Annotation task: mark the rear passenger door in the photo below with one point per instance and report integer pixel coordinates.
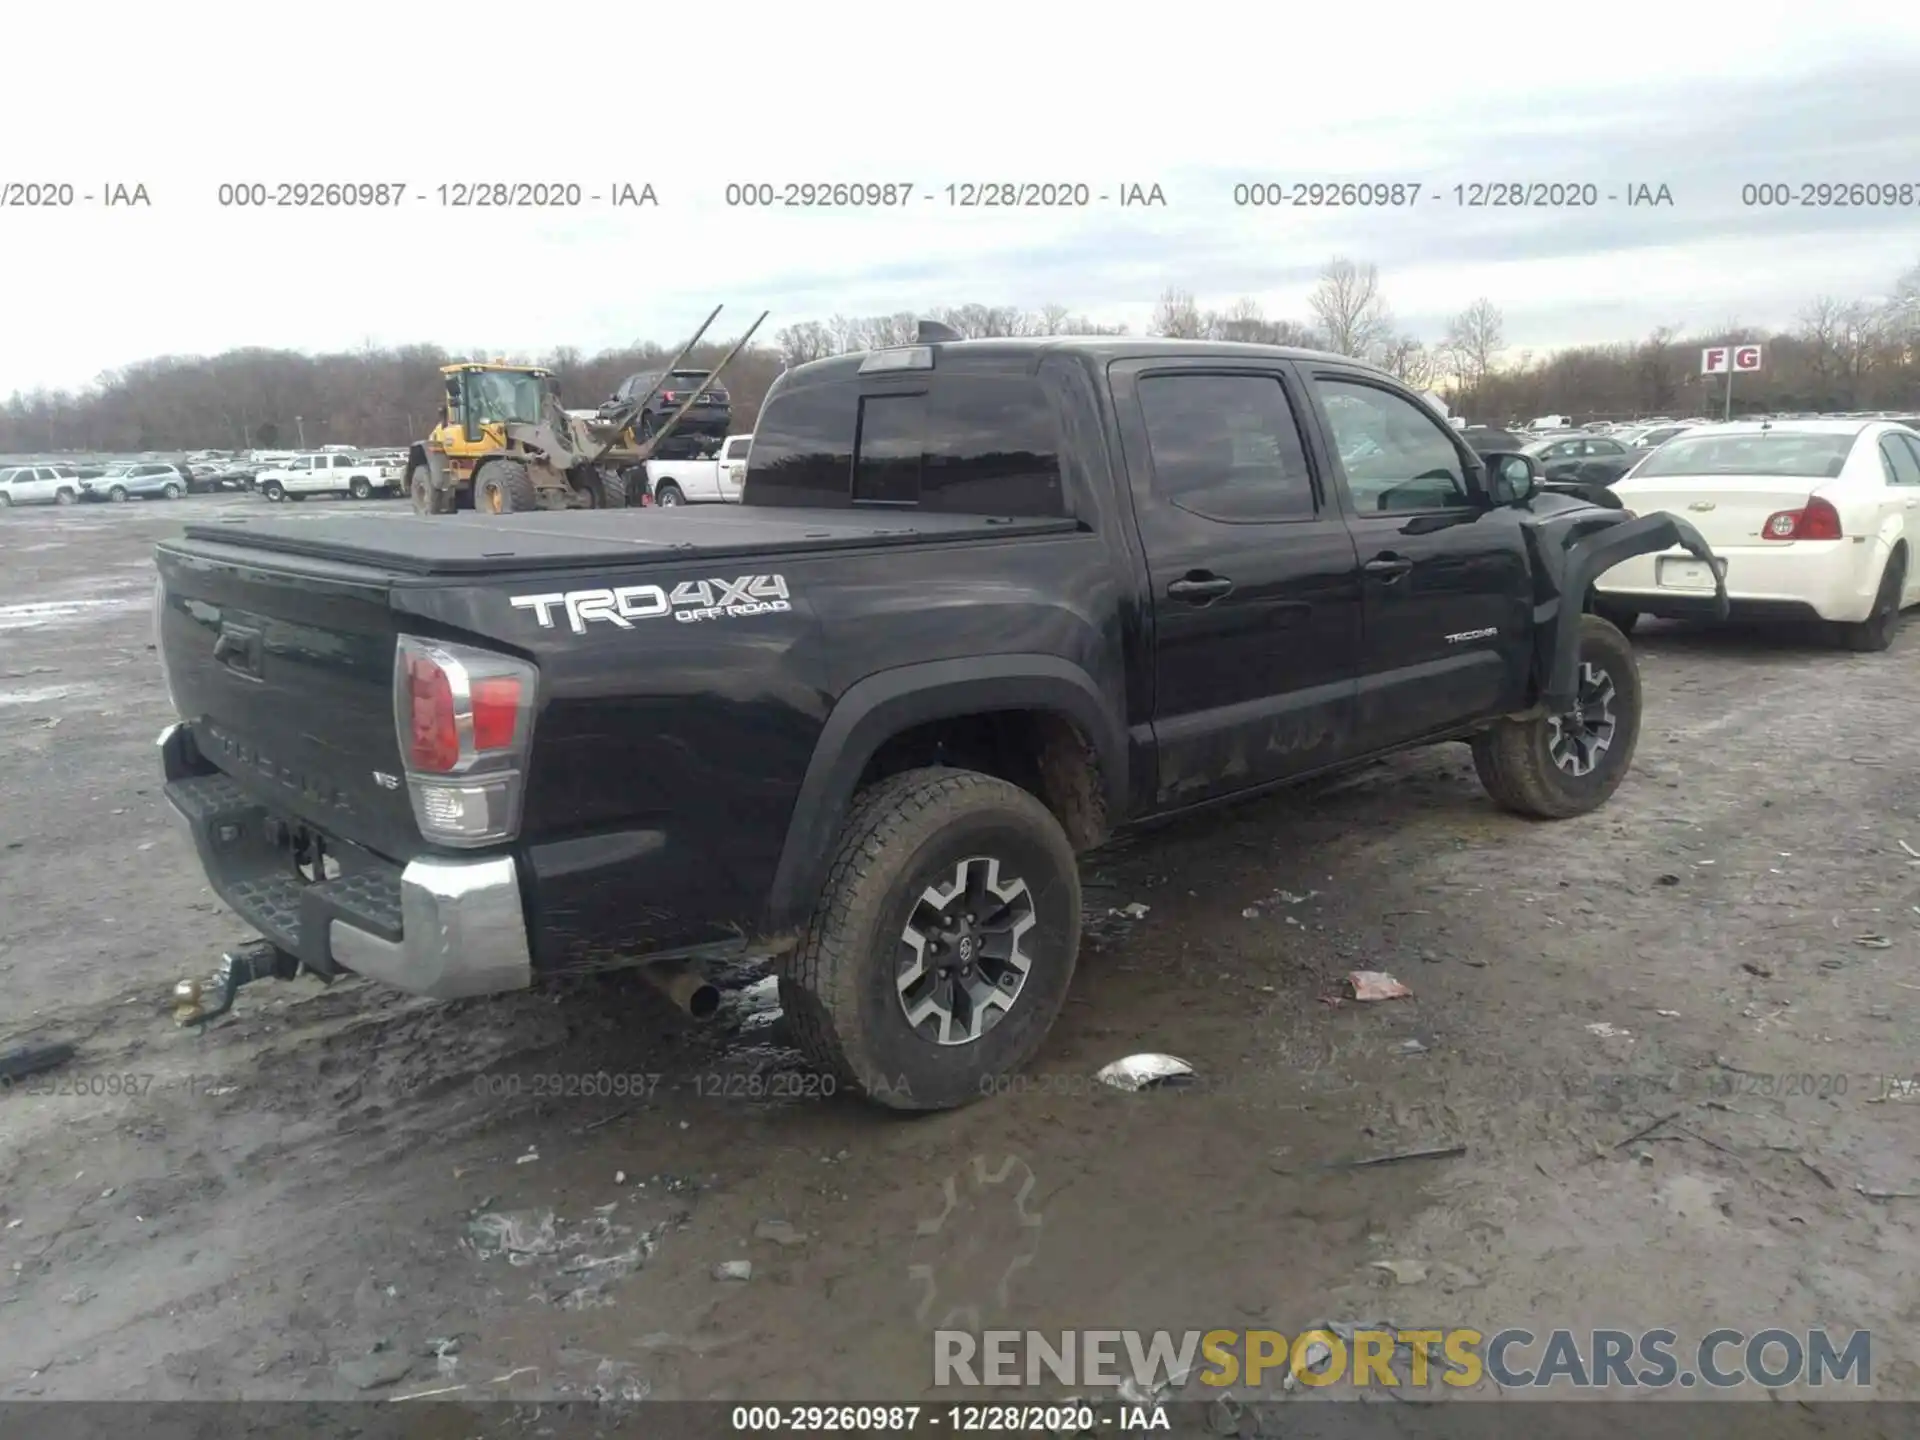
(1254, 583)
(1447, 585)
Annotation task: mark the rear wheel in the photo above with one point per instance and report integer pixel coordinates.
(360, 488)
(503, 487)
(172, 492)
(1553, 767)
(943, 941)
(1876, 632)
(669, 494)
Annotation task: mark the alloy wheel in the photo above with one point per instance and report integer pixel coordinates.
(1579, 738)
(963, 961)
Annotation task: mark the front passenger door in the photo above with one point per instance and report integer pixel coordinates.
(1447, 590)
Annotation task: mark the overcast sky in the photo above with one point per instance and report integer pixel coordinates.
(182, 98)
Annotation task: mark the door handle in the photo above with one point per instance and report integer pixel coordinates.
(1389, 567)
(1200, 588)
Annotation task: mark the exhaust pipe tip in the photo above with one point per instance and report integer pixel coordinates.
(703, 1003)
(696, 995)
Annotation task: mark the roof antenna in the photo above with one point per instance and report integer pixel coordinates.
(932, 332)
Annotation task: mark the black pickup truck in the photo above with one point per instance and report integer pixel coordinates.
(985, 604)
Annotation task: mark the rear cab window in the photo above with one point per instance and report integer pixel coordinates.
(960, 442)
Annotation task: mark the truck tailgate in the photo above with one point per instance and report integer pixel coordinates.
(284, 670)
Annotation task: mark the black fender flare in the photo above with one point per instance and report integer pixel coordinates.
(874, 710)
(1590, 557)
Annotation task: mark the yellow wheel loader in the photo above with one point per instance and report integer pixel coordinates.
(506, 444)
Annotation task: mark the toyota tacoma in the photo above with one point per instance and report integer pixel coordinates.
(985, 604)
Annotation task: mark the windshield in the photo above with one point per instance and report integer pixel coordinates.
(498, 396)
(1784, 453)
(681, 381)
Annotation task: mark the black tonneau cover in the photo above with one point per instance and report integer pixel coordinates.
(568, 539)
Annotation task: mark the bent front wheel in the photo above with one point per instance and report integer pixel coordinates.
(1552, 767)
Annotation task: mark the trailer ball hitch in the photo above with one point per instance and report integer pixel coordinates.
(256, 960)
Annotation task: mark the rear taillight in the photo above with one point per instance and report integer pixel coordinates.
(1816, 520)
(667, 397)
(465, 720)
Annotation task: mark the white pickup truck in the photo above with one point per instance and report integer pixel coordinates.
(702, 482)
(327, 474)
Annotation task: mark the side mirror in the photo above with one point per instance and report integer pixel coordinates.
(1512, 478)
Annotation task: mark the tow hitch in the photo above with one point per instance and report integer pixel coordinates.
(256, 960)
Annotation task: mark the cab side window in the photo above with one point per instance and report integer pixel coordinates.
(1395, 454)
(1227, 447)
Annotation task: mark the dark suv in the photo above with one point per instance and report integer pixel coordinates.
(702, 428)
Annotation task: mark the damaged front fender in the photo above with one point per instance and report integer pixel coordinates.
(1589, 554)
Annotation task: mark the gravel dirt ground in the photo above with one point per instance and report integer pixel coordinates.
(346, 1192)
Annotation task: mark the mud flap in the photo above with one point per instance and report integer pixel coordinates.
(1590, 558)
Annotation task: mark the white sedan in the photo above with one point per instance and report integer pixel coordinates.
(1814, 519)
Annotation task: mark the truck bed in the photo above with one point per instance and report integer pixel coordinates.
(465, 545)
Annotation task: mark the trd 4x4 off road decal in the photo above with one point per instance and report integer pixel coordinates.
(688, 601)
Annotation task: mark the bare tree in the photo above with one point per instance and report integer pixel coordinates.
(1409, 361)
(1053, 320)
(1474, 340)
(1350, 309)
(1178, 317)
(1819, 334)
(808, 340)
(1661, 370)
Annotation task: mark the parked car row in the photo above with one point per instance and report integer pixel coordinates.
(71, 484)
(291, 477)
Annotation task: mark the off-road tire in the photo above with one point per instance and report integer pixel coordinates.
(1876, 632)
(668, 495)
(274, 492)
(838, 987)
(360, 488)
(1515, 759)
(1617, 616)
(503, 487)
(614, 491)
(425, 499)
